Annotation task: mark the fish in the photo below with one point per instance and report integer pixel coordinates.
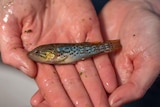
(70, 53)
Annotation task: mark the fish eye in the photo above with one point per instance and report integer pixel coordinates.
(36, 51)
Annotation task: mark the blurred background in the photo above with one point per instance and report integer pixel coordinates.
(16, 89)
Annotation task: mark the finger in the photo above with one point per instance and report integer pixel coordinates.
(103, 64)
(12, 49)
(73, 85)
(143, 76)
(51, 87)
(92, 82)
(36, 99)
(90, 77)
(106, 73)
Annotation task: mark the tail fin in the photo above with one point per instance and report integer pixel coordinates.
(114, 44)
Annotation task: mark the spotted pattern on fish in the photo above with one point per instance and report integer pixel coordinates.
(67, 53)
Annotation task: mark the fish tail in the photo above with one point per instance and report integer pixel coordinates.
(114, 45)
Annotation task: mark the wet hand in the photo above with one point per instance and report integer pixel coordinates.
(136, 24)
(27, 24)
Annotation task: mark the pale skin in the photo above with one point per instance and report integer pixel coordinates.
(137, 24)
(26, 24)
(136, 65)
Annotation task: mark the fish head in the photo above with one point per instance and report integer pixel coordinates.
(43, 54)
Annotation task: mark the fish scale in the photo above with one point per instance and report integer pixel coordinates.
(80, 50)
(67, 53)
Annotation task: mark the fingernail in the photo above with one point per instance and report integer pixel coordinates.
(116, 103)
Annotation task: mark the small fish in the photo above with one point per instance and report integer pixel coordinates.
(69, 53)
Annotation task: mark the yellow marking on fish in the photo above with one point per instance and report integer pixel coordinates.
(49, 55)
(67, 53)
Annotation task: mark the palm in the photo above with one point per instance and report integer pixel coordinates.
(138, 30)
(33, 23)
(59, 24)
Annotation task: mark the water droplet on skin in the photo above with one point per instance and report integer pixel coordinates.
(3, 27)
(50, 91)
(7, 15)
(78, 37)
(10, 11)
(48, 83)
(6, 11)
(107, 84)
(5, 19)
(44, 80)
(76, 103)
(82, 69)
(8, 4)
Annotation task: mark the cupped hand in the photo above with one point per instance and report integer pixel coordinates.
(137, 24)
(29, 23)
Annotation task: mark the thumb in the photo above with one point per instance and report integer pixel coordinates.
(17, 57)
(11, 48)
(142, 78)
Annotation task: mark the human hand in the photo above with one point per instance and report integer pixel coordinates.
(136, 23)
(11, 44)
(27, 24)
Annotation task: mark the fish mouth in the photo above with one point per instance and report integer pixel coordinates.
(34, 57)
(31, 55)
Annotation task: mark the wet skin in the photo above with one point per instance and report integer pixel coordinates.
(136, 24)
(26, 24)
